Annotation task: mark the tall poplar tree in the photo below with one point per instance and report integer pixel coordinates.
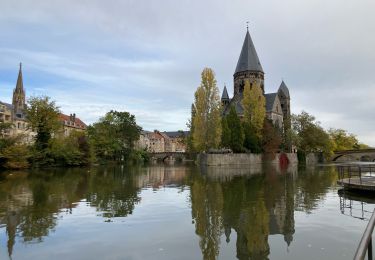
(254, 105)
(207, 118)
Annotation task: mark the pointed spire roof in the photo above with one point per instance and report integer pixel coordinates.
(283, 88)
(248, 59)
(225, 95)
(19, 86)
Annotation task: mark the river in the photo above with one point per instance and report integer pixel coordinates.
(179, 212)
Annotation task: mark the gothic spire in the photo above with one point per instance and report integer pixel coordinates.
(19, 97)
(19, 86)
(248, 59)
(225, 95)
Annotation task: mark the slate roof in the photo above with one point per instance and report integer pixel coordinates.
(283, 88)
(248, 59)
(9, 106)
(270, 100)
(175, 134)
(225, 95)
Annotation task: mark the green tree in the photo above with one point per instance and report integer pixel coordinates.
(72, 150)
(311, 136)
(343, 140)
(113, 137)
(225, 133)
(251, 142)
(236, 132)
(190, 125)
(42, 115)
(207, 118)
(254, 105)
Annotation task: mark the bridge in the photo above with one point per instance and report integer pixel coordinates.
(363, 155)
(169, 156)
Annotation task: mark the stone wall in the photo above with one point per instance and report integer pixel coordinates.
(240, 159)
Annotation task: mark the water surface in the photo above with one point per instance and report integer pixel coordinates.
(179, 212)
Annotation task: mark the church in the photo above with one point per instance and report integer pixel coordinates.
(250, 69)
(14, 114)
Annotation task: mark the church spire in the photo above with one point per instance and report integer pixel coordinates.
(225, 95)
(248, 60)
(19, 97)
(19, 86)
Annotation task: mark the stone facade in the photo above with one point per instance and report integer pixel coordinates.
(250, 69)
(71, 123)
(160, 142)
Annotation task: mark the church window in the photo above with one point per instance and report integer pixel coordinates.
(19, 125)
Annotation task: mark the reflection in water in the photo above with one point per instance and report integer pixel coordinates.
(356, 205)
(254, 206)
(244, 206)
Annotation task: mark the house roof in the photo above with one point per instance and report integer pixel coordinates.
(175, 134)
(9, 106)
(248, 59)
(284, 89)
(78, 122)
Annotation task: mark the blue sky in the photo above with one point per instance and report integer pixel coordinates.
(145, 57)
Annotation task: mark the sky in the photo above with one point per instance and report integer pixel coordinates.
(146, 57)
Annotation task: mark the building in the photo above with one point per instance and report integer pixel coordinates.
(160, 142)
(71, 123)
(15, 114)
(250, 69)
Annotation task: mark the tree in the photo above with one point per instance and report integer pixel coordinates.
(225, 133)
(207, 118)
(251, 141)
(236, 132)
(42, 115)
(271, 139)
(114, 135)
(254, 105)
(343, 140)
(311, 136)
(190, 125)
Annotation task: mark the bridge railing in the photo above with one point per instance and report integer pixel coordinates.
(366, 242)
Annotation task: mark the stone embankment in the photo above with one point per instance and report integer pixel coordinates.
(239, 159)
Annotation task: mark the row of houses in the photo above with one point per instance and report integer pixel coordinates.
(160, 142)
(14, 114)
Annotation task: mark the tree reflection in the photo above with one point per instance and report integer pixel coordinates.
(253, 205)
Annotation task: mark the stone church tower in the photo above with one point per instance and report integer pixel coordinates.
(19, 97)
(248, 67)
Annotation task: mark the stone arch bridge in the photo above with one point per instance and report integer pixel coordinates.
(363, 155)
(169, 156)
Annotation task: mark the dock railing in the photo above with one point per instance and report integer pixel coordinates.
(355, 170)
(366, 242)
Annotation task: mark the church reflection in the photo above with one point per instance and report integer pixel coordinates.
(254, 205)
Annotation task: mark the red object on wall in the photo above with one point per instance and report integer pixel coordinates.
(283, 161)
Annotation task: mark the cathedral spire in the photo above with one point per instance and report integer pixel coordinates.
(19, 97)
(19, 86)
(248, 60)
